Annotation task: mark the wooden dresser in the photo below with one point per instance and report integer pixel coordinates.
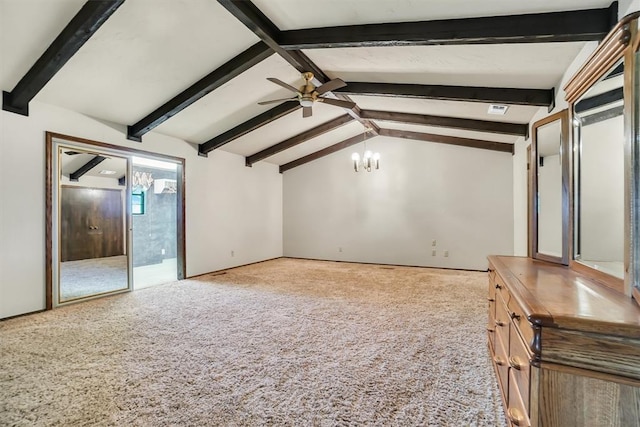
(566, 350)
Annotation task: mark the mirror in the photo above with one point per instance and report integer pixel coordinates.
(550, 189)
(91, 198)
(599, 180)
(115, 219)
(634, 199)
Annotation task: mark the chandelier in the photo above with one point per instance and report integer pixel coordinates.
(369, 160)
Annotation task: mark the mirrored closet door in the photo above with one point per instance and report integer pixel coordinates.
(115, 219)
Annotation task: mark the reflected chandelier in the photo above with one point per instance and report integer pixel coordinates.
(369, 160)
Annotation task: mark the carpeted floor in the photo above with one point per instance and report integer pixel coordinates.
(284, 342)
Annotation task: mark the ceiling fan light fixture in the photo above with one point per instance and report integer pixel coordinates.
(306, 102)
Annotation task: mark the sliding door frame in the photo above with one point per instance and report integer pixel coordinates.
(51, 181)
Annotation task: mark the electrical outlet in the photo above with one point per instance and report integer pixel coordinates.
(446, 254)
(233, 253)
(433, 252)
(162, 252)
(433, 242)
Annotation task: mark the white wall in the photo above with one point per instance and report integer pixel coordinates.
(626, 7)
(459, 196)
(228, 206)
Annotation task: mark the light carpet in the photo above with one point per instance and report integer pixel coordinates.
(284, 342)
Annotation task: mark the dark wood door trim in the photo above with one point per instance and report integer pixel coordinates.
(50, 182)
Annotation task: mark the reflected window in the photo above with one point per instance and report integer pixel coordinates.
(137, 203)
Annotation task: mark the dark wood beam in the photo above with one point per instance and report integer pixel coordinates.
(328, 150)
(247, 13)
(95, 161)
(451, 140)
(576, 25)
(298, 139)
(81, 27)
(599, 100)
(231, 69)
(601, 116)
(513, 96)
(250, 125)
(256, 21)
(517, 129)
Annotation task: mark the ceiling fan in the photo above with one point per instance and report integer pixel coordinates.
(309, 93)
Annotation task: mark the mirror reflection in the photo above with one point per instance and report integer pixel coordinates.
(549, 188)
(599, 175)
(93, 223)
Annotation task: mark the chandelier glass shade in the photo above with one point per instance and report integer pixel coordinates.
(368, 161)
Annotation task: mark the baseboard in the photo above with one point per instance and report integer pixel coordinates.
(22, 314)
(389, 265)
(231, 268)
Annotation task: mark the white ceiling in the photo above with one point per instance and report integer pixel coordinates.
(151, 50)
(528, 65)
(294, 14)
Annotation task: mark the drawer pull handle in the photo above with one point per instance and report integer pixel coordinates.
(515, 316)
(490, 330)
(500, 323)
(498, 361)
(515, 363)
(515, 417)
(498, 286)
(490, 299)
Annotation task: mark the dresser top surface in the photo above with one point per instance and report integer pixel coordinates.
(554, 295)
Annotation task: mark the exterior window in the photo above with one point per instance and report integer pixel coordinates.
(137, 203)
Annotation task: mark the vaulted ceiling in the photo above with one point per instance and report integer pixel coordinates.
(196, 69)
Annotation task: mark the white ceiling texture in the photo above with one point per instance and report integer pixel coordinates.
(150, 51)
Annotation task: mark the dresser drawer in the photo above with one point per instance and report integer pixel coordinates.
(516, 412)
(501, 288)
(520, 369)
(517, 316)
(491, 321)
(502, 321)
(500, 360)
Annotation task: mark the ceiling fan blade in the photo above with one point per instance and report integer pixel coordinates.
(273, 101)
(338, 102)
(330, 85)
(307, 112)
(283, 84)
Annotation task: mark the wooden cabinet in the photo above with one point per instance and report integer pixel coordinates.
(566, 350)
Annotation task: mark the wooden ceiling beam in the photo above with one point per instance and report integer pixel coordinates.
(566, 26)
(402, 134)
(229, 70)
(517, 129)
(512, 96)
(250, 125)
(451, 140)
(95, 161)
(328, 150)
(81, 27)
(298, 139)
(256, 21)
(605, 98)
